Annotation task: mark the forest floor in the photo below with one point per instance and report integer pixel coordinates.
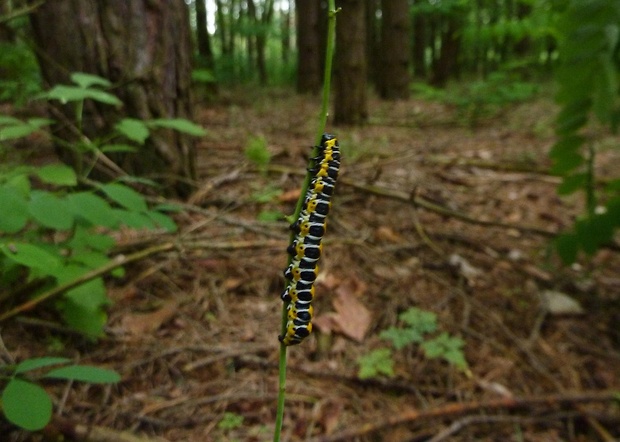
(194, 332)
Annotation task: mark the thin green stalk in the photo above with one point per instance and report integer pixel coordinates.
(331, 34)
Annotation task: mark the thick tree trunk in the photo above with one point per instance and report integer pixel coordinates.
(395, 37)
(143, 47)
(308, 46)
(351, 70)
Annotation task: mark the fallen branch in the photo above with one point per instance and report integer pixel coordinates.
(458, 409)
(114, 263)
(421, 202)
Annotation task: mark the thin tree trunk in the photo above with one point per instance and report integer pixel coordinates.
(202, 34)
(143, 47)
(308, 46)
(395, 37)
(351, 70)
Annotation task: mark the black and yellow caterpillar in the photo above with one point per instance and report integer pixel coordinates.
(306, 247)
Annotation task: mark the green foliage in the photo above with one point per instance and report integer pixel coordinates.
(378, 362)
(26, 404)
(588, 79)
(256, 151)
(419, 325)
(31, 253)
(230, 421)
(481, 98)
(20, 78)
(59, 232)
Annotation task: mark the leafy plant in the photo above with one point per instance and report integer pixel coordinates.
(588, 78)
(61, 233)
(256, 151)
(26, 404)
(57, 238)
(419, 325)
(20, 78)
(230, 421)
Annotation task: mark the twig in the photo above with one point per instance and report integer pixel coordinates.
(117, 261)
(457, 409)
(458, 425)
(421, 202)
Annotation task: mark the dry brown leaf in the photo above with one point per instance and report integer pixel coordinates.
(352, 317)
(289, 196)
(143, 323)
(232, 283)
(385, 233)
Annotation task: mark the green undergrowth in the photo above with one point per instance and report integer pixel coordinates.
(27, 404)
(58, 225)
(419, 329)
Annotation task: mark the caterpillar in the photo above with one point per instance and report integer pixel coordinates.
(306, 247)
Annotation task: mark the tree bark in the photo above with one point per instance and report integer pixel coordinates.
(308, 46)
(143, 47)
(447, 62)
(419, 45)
(351, 105)
(202, 34)
(395, 37)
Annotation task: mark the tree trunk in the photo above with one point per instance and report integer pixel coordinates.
(395, 37)
(446, 63)
(285, 29)
(373, 57)
(143, 47)
(419, 45)
(351, 70)
(308, 46)
(202, 34)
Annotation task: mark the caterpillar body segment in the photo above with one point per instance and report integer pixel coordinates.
(306, 248)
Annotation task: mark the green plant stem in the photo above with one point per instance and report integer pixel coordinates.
(329, 52)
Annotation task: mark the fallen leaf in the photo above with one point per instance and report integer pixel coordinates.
(352, 317)
(558, 303)
(232, 283)
(385, 233)
(289, 196)
(143, 323)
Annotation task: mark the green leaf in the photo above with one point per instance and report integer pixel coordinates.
(85, 373)
(34, 363)
(84, 238)
(58, 174)
(567, 162)
(401, 337)
(103, 97)
(87, 80)
(135, 220)
(375, 363)
(125, 196)
(162, 221)
(113, 148)
(266, 194)
(22, 129)
(230, 421)
(30, 256)
(65, 94)
(50, 211)
(270, 216)
(92, 208)
(133, 129)
(449, 348)
(418, 319)
(26, 405)
(256, 151)
(14, 210)
(82, 308)
(179, 124)
(567, 246)
(573, 183)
